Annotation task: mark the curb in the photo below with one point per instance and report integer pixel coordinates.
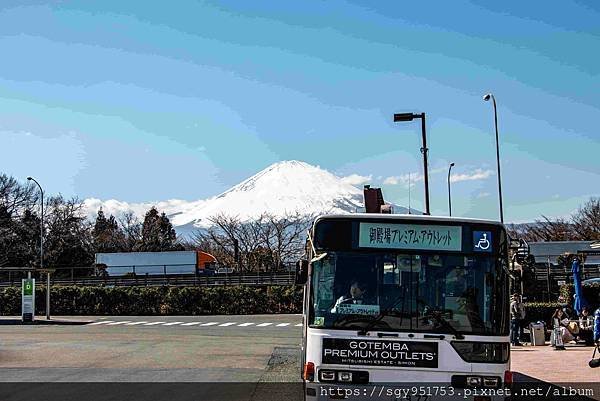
(40, 322)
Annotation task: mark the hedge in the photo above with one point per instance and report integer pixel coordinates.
(541, 311)
(166, 300)
(591, 293)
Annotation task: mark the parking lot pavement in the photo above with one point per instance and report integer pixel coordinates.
(546, 364)
(205, 348)
(172, 350)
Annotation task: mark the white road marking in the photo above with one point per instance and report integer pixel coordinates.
(227, 324)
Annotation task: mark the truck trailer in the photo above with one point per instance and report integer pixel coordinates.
(156, 263)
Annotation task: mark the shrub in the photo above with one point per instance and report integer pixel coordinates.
(166, 300)
(540, 311)
(591, 293)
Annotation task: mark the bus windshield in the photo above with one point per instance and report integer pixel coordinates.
(416, 292)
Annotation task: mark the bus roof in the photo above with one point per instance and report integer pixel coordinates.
(359, 216)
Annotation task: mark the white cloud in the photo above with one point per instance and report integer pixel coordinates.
(119, 208)
(355, 179)
(483, 195)
(403, 179)
(476, 175)
(391, 181)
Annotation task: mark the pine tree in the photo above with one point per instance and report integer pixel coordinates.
(107, 236)
(158, 233)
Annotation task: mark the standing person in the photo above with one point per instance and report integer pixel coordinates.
(597, 325)
(523, 313)
(516, 314)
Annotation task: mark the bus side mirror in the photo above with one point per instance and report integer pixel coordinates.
(301, 271)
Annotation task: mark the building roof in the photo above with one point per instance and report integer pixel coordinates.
(549, 251)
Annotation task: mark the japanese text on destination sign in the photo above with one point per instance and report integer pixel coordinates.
(410, 236)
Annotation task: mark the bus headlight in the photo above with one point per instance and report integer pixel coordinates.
(345, 376)
(491, 382)
(463, 381)
(327, 375)
(474, 381)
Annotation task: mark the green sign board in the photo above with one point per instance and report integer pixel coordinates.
(410, 236)
(28, 287)
(28, 299)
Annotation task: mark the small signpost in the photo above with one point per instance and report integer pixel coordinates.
(28, 299)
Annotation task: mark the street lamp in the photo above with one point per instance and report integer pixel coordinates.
(42, 249)
(486, 98)
(409, 117)
(449, 197)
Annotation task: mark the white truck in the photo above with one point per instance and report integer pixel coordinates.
(156, 263)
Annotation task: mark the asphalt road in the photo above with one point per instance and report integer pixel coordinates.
(176, 358)
(209, 349)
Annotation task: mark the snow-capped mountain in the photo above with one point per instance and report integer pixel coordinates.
(283, 188)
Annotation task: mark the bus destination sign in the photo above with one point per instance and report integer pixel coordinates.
(410, 236)
(417, 354)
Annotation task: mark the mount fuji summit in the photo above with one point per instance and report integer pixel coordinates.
(284, 188)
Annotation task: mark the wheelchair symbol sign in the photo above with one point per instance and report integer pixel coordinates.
(482, 241)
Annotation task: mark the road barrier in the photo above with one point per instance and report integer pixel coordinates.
(183, 280)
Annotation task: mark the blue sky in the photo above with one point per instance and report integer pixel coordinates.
(144, 101)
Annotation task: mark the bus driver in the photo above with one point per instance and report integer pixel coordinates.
(356, 296)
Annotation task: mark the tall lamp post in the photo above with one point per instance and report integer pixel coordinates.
(449, 196)
(42, 249)
(409, 117)
(486, 98)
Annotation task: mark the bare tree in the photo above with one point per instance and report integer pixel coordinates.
(586, 221)
(16, 197)
(219, 238)
(583, 225)
(132, 228)
(285, 236)
(552, 230)
(265, 243)
(68, 239)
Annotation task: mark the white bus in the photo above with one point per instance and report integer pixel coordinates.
(418, 301)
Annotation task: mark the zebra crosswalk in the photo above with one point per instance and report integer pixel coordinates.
(195, 324)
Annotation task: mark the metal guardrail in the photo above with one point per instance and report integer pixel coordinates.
(174, 280)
